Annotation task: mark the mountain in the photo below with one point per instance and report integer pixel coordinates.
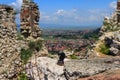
(45, 26)
(65, 27)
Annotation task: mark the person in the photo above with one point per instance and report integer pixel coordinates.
(62, 56)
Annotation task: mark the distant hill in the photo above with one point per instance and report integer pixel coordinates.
(62, 27)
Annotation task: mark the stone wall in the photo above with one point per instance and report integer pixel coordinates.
(110, 32)
(7, 17)
(7, 37)
(30, 20)
(26, 1)
(9, 45)
(118, 4)
(112, 23)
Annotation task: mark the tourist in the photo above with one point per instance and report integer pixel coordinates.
(62, 56)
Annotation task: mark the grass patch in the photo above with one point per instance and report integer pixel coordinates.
(38, 45)
(110, 27)
(31, 44)
(103, 48)
(23, 76)
(25, 55)
(73, 57)
(35, 45)
(19, 36)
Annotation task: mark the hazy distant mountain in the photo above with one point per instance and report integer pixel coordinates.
(62, 27)
(65, 27)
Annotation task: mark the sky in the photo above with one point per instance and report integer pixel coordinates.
(70, 12)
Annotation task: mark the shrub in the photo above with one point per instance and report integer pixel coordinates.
(25, 55)
(104, 49)
(23, 77)
(35, 45)
(19, 36)
(31, 44)
(38, 45)
(109, 27)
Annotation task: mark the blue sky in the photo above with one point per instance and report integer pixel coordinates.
(71, 12)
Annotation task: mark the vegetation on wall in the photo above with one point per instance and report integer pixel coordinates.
(110, 27)
(35, 45)
(19, 36)
(27, 53)
(103, 48)
(107, 26)
(23, 76)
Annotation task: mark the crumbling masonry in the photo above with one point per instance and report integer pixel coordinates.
(10, 46)
(118, 11)
(29, 18)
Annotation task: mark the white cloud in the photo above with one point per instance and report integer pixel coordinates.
(17, 4)
(75, 16)
(78, 16)
(113, 5)
(60, 12)
(46, 17)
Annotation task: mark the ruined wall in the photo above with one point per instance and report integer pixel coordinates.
(112, 23)
(30, 19)
(7, 17)
(7, 36)
(118, 11)
(9, 45)
(118, 4)
(27, 1)
(110, 35)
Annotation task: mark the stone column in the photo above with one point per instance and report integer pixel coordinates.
(30, 20)
(118, 11)
(27, 1)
